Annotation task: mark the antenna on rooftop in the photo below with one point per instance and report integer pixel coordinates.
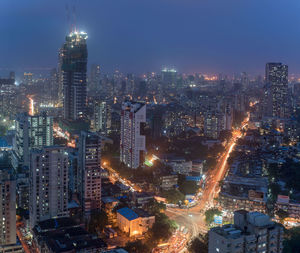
(74, 17)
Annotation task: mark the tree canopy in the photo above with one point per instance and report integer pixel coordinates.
(210, 215)
(291, 243)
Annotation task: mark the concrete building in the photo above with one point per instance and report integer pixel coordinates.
(135, 223)
(48, 196)
(90, 169)
(102, 117)
(64, 235)
(133, 140)
(95, 75)
(244, 193)
(7, 208)
(213, 124)
(251, 232)
(73, 63)
(168, 182)
(169, 77)
(291, 207)
(276, 90)
(31, 132)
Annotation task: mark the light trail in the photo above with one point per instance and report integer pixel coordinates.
(31, 105)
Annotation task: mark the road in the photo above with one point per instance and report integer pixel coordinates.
(193, 218)
(114, 176)
(26, 247)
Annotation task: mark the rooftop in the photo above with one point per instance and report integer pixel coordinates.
(128, 213)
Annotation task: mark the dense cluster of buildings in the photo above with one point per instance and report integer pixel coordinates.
(61, 124)
(251, 232)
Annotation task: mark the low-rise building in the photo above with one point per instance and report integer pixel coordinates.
(168, 182)
(291, 207)
(134, 223)
(63, 235)
(246, 193)
(251, 232)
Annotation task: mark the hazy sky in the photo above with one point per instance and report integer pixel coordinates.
(210, 36)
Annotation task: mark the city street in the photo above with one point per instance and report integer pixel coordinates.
(193, 218)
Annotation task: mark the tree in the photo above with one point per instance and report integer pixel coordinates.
(97, 222)
(162, 228)
(137, 247)
(154, 207)
(291, 243)
(199, 244)
(3, 130)
(275, 190)
(173, 196)
(188, 187)
(225, 135)
(210, 215)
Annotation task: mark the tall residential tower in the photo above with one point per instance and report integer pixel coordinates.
(48, 196)
(133, 140)
(73, 63)
(276, 92)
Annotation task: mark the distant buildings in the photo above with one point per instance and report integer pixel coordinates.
(48, 184)
(31, 132)
(28, 78)
(102, 117)
(133, 139)
(94, 81)
(8, 81)
(276, 90)
(90, 168)
(251, 232)
(73, 63)
(135, 223)
(169, 77)
(213, 124)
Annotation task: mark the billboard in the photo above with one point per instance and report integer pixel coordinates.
(218, 220)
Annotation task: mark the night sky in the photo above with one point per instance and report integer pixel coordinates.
(207, 36)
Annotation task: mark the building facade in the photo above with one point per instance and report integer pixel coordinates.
(31, 132)
(102, 117)
(133, 140)
(276, 90)
(73, 58)
(7, 208)
(251, 232)
(90, 168)
(48, 196)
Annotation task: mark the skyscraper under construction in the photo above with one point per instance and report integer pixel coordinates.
(73, 63)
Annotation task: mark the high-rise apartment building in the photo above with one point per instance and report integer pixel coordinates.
(251, 232)
(169, 77)
(276, 90)
(94, 81)
(7, 208)
(90, 168)
(73, 63)
(48, 196)
(102, 117)
(213, 124)
(133, 140)
(31, 132)
(28, 78)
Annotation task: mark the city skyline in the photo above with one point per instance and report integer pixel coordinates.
(140, 37)
(129, 126)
